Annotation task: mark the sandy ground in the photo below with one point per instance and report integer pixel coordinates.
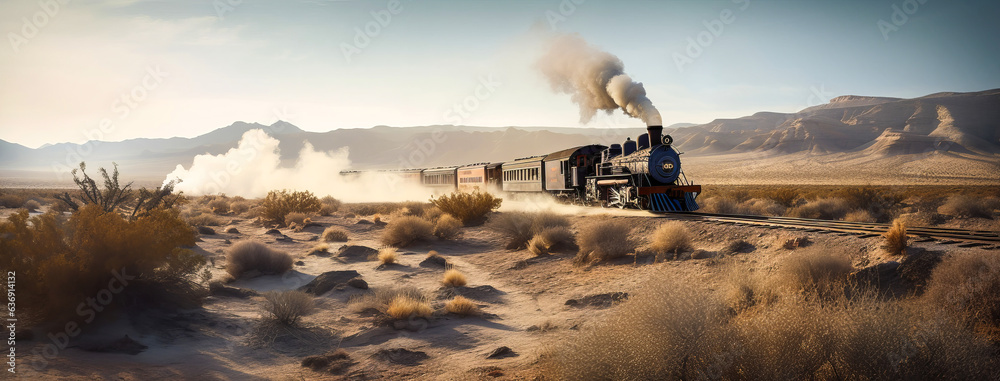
(214, 342)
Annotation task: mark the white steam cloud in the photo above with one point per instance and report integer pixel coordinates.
(595, 79)
(253, 168)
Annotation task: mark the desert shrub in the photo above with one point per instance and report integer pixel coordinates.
(895, 238)
(824, 209)
(447, 227)
(603, 241)
(60, 261)
(296, 218)
(784, 196)
(246, 256)
(720, 205)
(286, 307)
(116, 197)
(388, 255)
(402, 231)
(454, 278)
(468, 207)
(219, 206)
(859, 215)
(668, 329)
(461, 306)
(761, 207)
(520, 227)
(279, 204)
(675, 329)
(405, 307)
(330, 204)
(967, 207)
(320, 249)
(11, 200)
(334, 234)
(551, 239)
(205, 220)
(379, 299)
(239, 207)
(968, 285)
(32, 205)
(879, 203)
(671, 238)
(386, 208)
(814, 273)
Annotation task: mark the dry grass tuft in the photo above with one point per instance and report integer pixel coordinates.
(447, 227)
(671, 238)
(404, 307)
(859, 215)
(246, 256)
(462, 306)
(239, 207)
(320, 248)
(403, 231)
(296, 218)
(388, 256)
(335, 234)
(520, 227)
(286, 307)
(824, 209)
(968, 285)
(219, 206)
(895, 238)
(468, 207)
(603, 241)
(814, 273)
(454, 278)
(969, 207)
(380, 299)
(551, 239)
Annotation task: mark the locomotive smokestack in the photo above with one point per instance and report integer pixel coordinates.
(655, 135)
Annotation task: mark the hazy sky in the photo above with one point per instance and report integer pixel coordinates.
(160, 68)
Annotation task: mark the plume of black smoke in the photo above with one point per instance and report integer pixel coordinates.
(595, 79)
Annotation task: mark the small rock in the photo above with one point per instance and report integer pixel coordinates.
(205, 230)
(356, 253)
(363, 222)
(358, 283)
(284, 238)
(400, 356)
(501, 353)
(233, 230)
(328, 281)
(300, 263)
(228, 242)
(313, 238)
(434, 261)
(273, 232)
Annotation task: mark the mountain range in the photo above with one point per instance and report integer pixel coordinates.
(953, 127)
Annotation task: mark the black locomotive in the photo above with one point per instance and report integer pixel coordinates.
(642, 174)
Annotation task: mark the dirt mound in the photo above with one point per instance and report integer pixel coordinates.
(400, 356)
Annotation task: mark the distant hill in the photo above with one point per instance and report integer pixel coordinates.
(964, 125)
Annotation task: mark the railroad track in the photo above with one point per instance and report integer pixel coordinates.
(962, 237)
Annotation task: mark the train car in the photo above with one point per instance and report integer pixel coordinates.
(566, 171)
(523, 175)
(480, 177)
(389, 176)
(649, 178)
(441, 179)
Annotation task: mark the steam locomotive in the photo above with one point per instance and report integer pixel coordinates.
(641, 174)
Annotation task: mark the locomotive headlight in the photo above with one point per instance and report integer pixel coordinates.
(668, 166)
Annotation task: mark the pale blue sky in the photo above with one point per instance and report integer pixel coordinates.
(265, 60)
